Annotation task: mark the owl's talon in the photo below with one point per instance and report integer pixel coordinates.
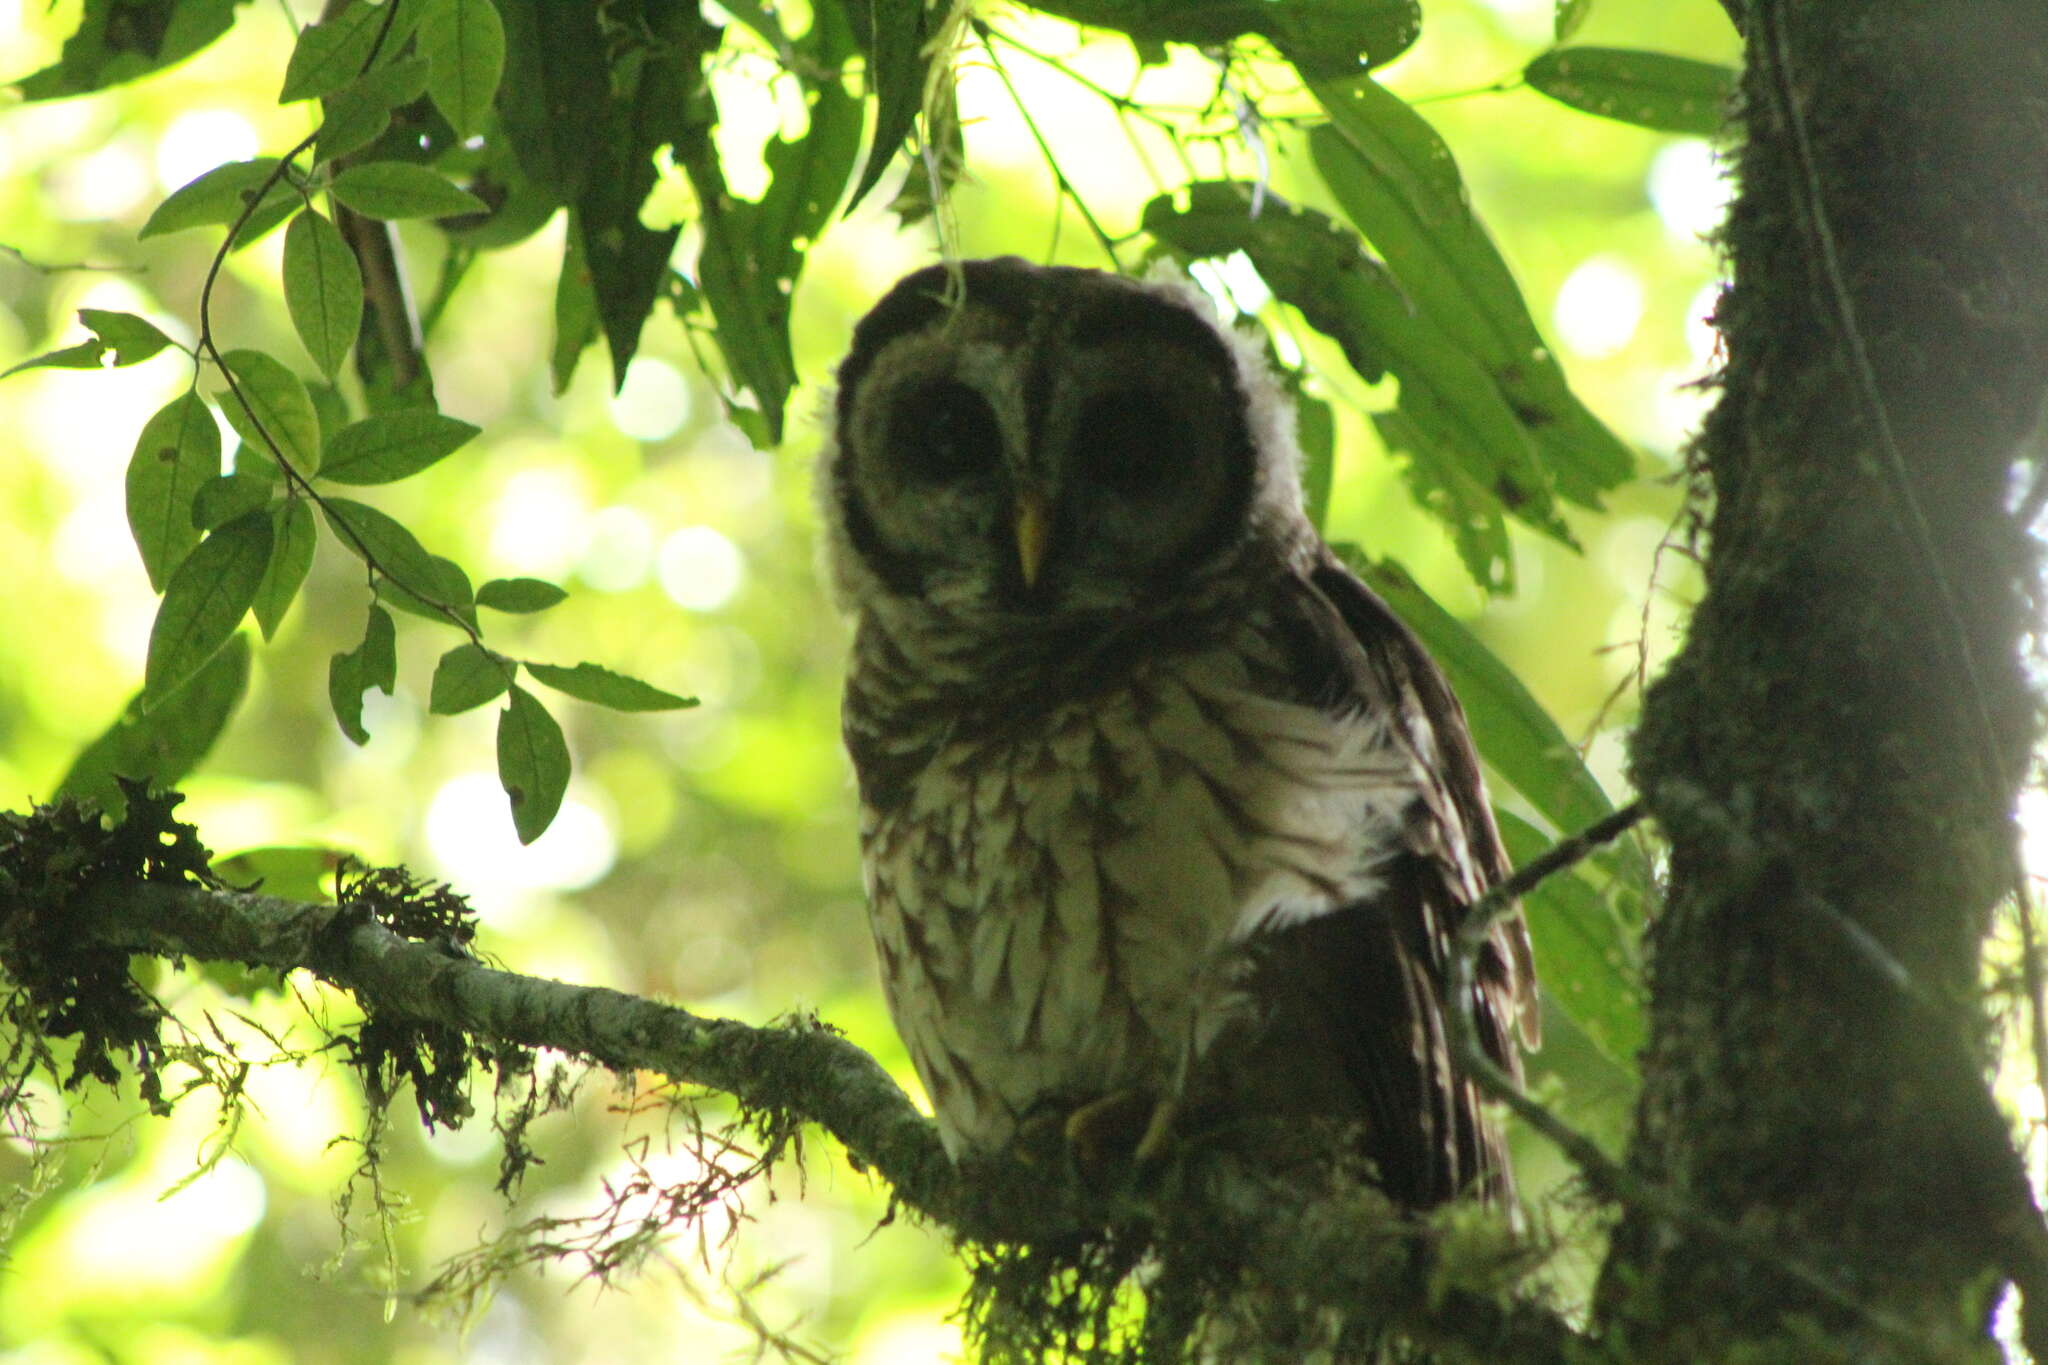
(1123, 1125)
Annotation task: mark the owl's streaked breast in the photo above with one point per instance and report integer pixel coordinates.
(1057, 905)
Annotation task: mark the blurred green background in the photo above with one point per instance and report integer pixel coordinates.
(708, 856)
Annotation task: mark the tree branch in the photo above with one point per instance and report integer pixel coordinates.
(1316, 1252)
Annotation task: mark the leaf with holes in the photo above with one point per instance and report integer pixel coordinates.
(1400, 187)
(1321, 268)
(467, 676)
(372, 663)
(206, 599)
(753, 252)
(391, 446)
(533, 764)
(1648, 89)
(278, 412)
(177, 452)
(591, 683)
(129, 337)
(323, 289)
(464, 42)
(293, 534)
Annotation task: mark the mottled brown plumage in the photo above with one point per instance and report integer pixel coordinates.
(1160, 803)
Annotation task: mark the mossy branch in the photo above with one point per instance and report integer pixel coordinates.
(1300, 1252)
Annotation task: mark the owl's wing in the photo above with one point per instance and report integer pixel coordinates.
(1376, 971)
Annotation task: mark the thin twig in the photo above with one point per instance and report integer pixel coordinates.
(1066, 186)
(1606, 1177)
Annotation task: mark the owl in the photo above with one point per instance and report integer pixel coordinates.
(1167, 821)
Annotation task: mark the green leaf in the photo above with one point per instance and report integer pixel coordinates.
(331, 409)
(392, 445)
(390, 549)
(219, 198)
(278, 418)
(575, 312)
(1586, 951)
(753, 252)
(1316, 35)
(1648, 89)
(519, 595)
(468, 676)
(129, 337)
(397, 189)
(1322, 269)
(533, 764)
(221, 500)
(177, 452)
(519, 206)
(293, 534)
(323, 289)
(898, 66)
(299, 873)
(1514, 733)
(373, 663)
(1571, 17)
(207, 598)
(1315, 429)
(1441, 485)
(1398, 184)
(275, 208)
(86, 355)
(589, 682)
(555, 85)
(659, 99)
(465, 42)
(332, 54)
(449, 584)
(356, 115)
(167, 741)
(118, 40)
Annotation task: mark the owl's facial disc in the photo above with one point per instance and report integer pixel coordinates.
(1063, 442)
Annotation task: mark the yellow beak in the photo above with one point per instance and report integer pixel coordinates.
(1034, 532)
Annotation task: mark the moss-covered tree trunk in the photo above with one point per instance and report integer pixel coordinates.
(1836, 753)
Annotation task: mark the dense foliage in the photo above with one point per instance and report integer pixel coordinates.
(708, 198)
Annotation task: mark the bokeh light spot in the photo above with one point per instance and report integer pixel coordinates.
(1599, 307)
(199, 140)
(699, 568)
(1688, 189)
(654, 402)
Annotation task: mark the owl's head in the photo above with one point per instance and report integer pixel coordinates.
(1049, 441)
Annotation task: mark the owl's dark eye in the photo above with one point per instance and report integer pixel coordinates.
(1128, 441)
(945, 431)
